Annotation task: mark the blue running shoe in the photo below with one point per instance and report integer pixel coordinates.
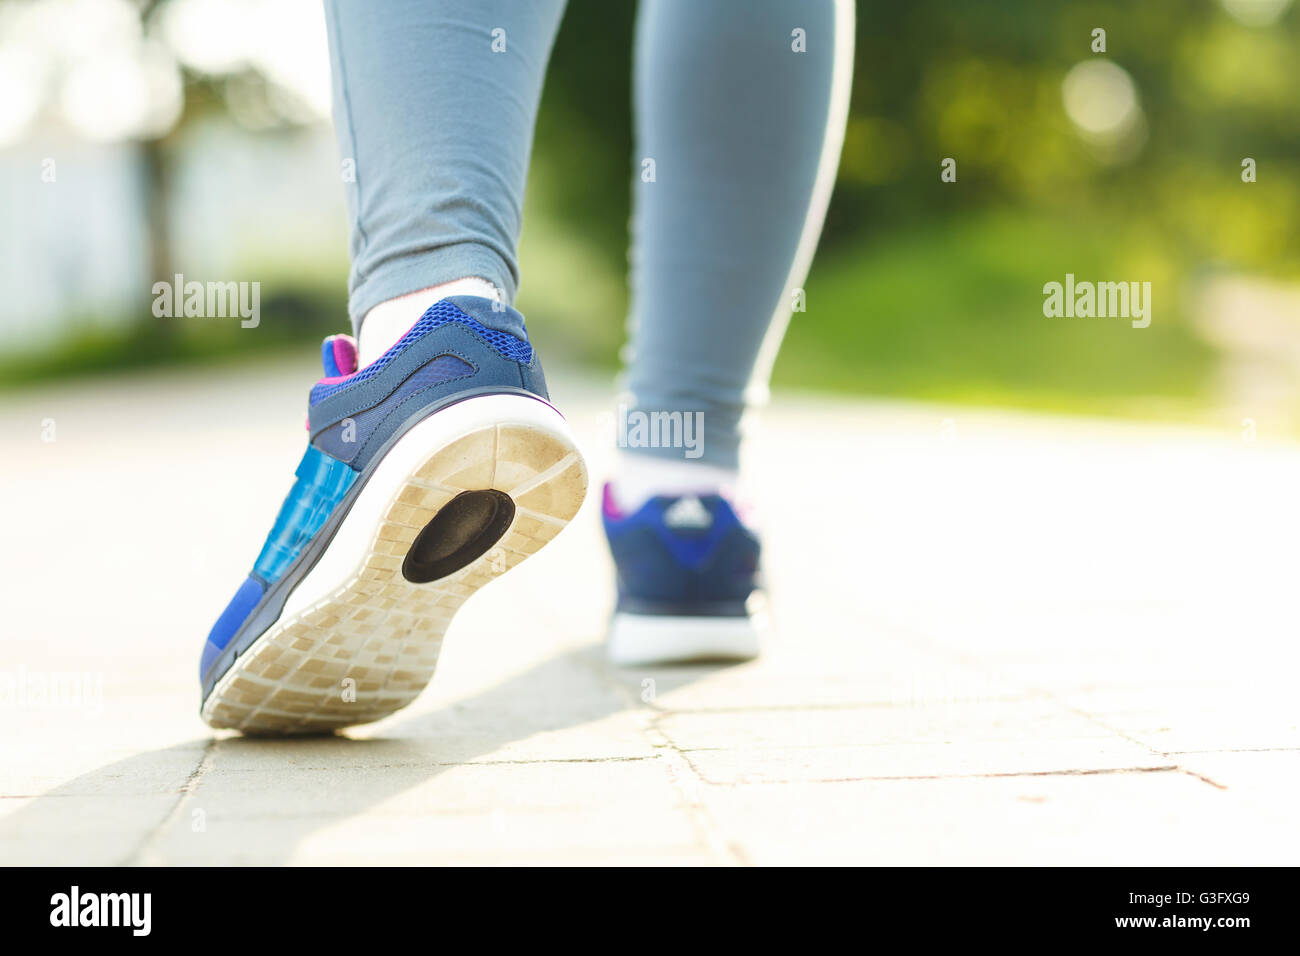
(688, 585)
(427, 474)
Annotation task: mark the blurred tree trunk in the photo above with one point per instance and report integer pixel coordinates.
(157, 183)
(158, 230)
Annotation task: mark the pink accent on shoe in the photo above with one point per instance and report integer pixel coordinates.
(334, 379)
(609, 505)
(342, 355)
(345, 354)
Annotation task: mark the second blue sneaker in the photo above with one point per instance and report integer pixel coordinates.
(427, 474)
(688, 585)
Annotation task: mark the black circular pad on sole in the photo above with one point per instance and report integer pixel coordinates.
(462, 530)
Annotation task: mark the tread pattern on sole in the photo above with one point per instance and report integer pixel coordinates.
(380, 630)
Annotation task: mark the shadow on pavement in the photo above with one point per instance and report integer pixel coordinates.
(261, 797)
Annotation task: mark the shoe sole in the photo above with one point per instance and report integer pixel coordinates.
(644, 639)
(357, 638)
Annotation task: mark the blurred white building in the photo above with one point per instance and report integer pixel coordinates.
(254, 186)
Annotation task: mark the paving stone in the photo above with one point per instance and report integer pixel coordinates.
(1030, 640)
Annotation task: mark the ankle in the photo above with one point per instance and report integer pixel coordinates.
(638, 478)
(387, 322)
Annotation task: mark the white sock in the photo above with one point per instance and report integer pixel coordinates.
(640, 477)
(389, 321)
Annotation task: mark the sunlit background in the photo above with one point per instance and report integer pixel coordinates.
(1032, 587)
(143, 139)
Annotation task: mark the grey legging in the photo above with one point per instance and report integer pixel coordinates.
(743, 126)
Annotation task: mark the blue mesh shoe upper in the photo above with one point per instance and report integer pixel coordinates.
(452, 352)
(437, 315)
(688, 555)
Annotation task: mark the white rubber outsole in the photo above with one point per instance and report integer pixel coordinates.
(645, 639)
(356, 640)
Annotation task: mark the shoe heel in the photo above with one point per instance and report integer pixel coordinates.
(360, 635)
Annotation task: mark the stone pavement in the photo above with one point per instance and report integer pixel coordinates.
(1000, 639)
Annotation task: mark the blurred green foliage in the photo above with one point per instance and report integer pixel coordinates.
(932, 289)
